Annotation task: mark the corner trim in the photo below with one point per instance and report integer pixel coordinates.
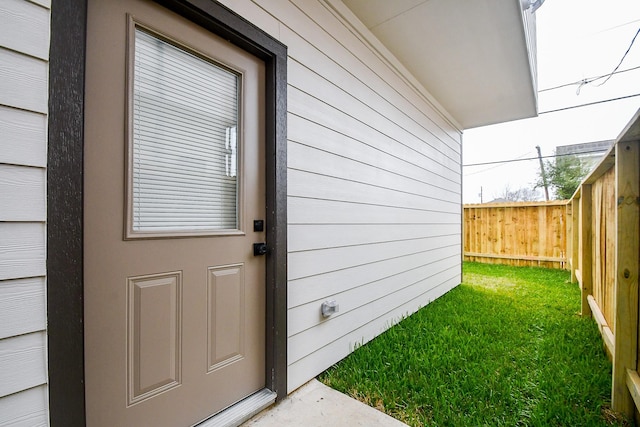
(65, 311)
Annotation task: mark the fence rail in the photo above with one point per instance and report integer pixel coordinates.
(604, 252)
(517, 233)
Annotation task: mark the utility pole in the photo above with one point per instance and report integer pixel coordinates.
(481, 194)
(544, 175)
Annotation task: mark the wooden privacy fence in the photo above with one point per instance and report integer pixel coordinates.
(517, 233)
(604, 259)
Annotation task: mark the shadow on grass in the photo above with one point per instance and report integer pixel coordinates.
(506, 347)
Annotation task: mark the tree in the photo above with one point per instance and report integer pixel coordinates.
(519, 195)
(564, 175)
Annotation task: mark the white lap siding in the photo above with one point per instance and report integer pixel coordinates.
(374, 184)
(24, 53)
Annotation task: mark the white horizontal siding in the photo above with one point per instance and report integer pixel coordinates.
(327, 187)
(43, 3)
(407, 271)
(22, 362)
(22, 250)
(311, 211)
(315, 288)
(344, 96)
(22, 306)
(27, 408)
(307, 81)
(24, 51)
(353, 131)
(309, 263)
(24, 137)
(307, 237)
(23, 81)
(321, 162)
(374, 184)
(362, 145)
(23, 193)
(30, 21)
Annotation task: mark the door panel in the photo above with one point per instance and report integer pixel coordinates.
(174, 322)
(226, 302)
(154, 335)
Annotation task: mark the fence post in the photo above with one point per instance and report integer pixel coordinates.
(575, 240)
(627, 265)
(568, 212)
(586, 256)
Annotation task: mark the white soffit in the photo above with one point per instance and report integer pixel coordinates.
(471, 55)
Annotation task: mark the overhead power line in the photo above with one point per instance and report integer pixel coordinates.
(623, 56)
(496, 166)
(532, 158)
(617, 26)
(587, 79)
(588, 104)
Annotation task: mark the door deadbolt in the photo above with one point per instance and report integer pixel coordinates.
(259, 249)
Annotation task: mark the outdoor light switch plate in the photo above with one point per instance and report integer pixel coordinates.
(329, 307)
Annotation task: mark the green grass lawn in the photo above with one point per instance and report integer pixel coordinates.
(505, 348)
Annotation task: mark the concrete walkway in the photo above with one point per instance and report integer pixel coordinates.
(316, 405)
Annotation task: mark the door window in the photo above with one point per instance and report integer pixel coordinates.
(183, 142)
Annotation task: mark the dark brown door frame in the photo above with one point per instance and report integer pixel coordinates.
(65, 194)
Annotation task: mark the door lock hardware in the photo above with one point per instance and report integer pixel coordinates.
(259, 249)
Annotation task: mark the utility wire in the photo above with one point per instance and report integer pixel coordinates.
(589, 79)
(589, 103)
(617, 26)
(623, 56)
(496, 166)
(532, 158)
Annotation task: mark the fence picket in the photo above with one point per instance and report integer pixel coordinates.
(517, 233)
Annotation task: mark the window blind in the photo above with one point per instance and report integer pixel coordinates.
(184, 147)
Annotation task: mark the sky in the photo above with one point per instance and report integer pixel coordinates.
(576, 39)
